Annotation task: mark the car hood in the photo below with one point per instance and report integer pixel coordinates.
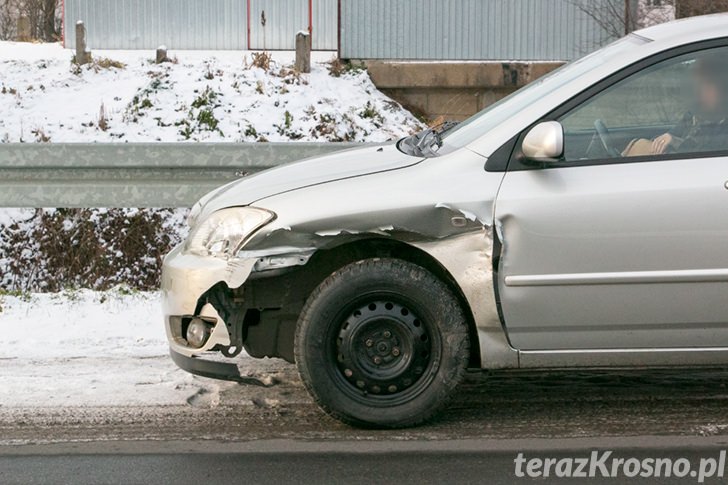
(313, 171)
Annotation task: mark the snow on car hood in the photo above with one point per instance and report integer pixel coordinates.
(313, 171)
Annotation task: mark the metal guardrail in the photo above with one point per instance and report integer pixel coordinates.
(135, 175)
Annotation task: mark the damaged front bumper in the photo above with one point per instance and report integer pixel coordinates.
(186, 278)
(190, 291)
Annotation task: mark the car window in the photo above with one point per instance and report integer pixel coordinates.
(679, 105)
(480, 124)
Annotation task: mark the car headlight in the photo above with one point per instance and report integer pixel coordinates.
(194, 214)
(224, 232)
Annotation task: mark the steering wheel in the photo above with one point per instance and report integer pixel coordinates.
(606, 138)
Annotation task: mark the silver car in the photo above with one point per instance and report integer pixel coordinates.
(580, 222)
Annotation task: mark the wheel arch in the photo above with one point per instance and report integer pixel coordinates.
(325, 262)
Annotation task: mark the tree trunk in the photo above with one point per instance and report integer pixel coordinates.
(50, 34)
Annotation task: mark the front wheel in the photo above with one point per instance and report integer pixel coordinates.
(382, 343)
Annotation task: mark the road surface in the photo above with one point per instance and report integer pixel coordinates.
(489, 405)
(285, 461)
(276, 434)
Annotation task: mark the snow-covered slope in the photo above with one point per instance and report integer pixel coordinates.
(204, 96)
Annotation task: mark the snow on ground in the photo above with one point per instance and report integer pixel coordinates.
(204, 96)
(109, 349)
(89, 349)
(10, 215)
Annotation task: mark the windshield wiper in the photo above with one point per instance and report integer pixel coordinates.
(424, 142)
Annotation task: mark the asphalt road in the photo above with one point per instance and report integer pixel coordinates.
(488, 406)
(284, 462)
(275, 434)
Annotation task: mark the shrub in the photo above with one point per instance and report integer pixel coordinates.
(55, 249)
(338, 68)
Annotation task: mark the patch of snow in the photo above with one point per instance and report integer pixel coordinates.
(213, 96)
(89, 349)
(9, 216)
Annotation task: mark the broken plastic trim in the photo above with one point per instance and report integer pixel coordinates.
(213, 370)
(279, 258)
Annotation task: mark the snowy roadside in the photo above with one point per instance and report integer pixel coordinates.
(90, 349)
(212, 96)
(108, 349)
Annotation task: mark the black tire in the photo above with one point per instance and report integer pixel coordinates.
(382, 343)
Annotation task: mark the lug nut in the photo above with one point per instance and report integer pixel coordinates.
(395, 352)
(369, 342)
(348, 372)
(377, 360)
(387, 334)
(392, 388)
(360, 384)
(376, 389)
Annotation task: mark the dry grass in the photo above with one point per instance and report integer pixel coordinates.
(40, 135)
(337, 67)
(106, 63)
(261, 60)
(97, 64)
(103, 122)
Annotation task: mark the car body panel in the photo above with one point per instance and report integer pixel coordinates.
(624, 256)
(452, 221)
(306, 173)
(469, 219)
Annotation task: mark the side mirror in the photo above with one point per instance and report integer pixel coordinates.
(545, 142)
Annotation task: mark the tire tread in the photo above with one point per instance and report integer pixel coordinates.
(453, 317)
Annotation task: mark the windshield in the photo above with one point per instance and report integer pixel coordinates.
(476, 126)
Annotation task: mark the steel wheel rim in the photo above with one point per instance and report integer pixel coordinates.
(384, 352)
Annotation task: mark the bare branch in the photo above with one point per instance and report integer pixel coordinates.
(690, 8)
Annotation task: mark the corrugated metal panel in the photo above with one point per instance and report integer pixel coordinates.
(147, 24)
(380, 29)
(283, 19)
(551, 30)
(325, 25)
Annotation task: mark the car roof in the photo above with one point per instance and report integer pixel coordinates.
(693, 29)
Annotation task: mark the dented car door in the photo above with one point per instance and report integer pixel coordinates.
(612, 247)
(616, 256)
